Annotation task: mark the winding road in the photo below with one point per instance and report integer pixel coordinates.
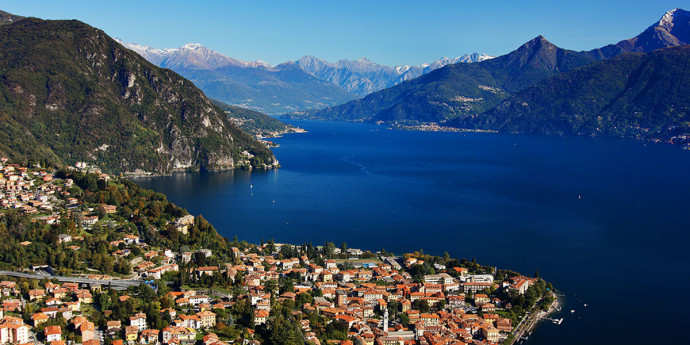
(118, 284)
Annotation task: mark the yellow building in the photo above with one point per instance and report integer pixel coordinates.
(491, 334)
(208, 319)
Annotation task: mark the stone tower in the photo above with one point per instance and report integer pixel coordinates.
(385, 321)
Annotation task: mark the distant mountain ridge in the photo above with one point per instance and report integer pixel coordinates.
(541, 88)
(459, 89)
(633, 95)
(362, 76)
(673, 29)
(282, 89)
(255, 85)
(69, 93)
(190, 55)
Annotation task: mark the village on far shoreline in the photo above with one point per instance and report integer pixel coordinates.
(89, 258)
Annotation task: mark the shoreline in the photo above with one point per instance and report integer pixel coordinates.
(434, 127)
(525, 330)
(460, 286)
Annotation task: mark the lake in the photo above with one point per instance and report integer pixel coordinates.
(606, 221)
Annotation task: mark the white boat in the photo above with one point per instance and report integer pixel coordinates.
(572, 311)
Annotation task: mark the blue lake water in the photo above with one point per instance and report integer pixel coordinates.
(606, 221)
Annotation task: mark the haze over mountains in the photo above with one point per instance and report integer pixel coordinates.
(254, 85)
(362, 76)
(308, 83)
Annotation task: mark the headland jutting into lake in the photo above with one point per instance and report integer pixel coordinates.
(558, 204)
(104, 255)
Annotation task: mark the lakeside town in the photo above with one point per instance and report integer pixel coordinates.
(90, 258)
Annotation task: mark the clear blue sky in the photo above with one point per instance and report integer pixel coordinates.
(388, 32)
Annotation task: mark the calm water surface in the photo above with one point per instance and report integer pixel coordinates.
(606, 221)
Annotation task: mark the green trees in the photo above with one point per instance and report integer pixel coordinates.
(94, 122)
(123, 267)
(328, 249)
(284, 332)
(271, 285)
(421, 305)
(303, 298)
(336, 329)
(286, 285)
(393, 307)
(404, 319)
(418, 271)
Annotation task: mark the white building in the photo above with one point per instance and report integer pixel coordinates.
(139, 321)
(441, 278)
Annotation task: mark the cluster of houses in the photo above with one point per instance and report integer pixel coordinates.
(34, 191)
(53, 300)
(460, 313)
(464, 314)
(68, 301)
(458, 309)
(20, 189)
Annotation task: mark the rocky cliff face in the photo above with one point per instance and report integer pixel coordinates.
(248, 84)
(71, 93)
(673, 29)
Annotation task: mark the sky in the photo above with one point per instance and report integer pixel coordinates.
(387, 32)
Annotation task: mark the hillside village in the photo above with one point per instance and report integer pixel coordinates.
(191, 286)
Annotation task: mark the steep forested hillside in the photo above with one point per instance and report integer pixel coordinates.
(634, 95)
(70, 93)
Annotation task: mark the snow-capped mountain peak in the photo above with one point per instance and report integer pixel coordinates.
(259, 63)
(402, 69)
(667, 18)
(192, 46)
(676, 16)
(190, 55)
(362, 76)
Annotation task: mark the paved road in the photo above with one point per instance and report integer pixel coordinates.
(118, 284)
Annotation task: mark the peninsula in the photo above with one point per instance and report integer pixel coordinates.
(90, 258)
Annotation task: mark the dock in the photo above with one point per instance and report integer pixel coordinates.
(526, 326)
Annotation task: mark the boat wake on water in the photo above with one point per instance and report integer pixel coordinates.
(360, 165)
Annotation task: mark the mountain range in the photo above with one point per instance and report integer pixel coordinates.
(308, 83)
(673, 29)
(362, 76)
(69, 93)
(632, 95)
(528, 83)
(254, 85)
(460, 89)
